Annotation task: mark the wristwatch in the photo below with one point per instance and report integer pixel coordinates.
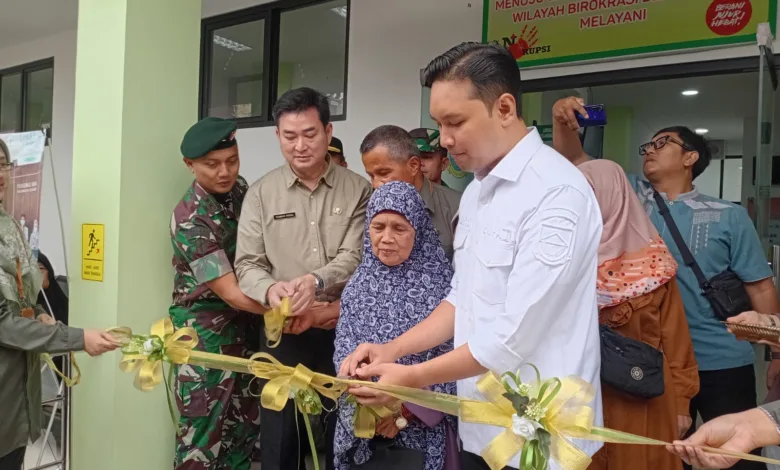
(319, 284)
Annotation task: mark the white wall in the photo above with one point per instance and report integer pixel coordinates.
(62, 47)
(390, 41)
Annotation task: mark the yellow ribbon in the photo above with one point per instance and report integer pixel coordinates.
(145, 354)
(69, 381)
(568, 414)
(566, 402)
(274, 321)
(282, 380)
(366, 418)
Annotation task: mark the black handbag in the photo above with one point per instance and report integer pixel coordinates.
(385, 455)
(631, 366)
(725, 291)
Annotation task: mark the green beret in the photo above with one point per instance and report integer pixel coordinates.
(208, 134)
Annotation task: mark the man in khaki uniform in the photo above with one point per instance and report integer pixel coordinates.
(300, 235)
(390, 154)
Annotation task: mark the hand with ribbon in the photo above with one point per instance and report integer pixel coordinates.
(275, 322)
(739, 432)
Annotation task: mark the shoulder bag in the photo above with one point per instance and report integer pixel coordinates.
(631, 366)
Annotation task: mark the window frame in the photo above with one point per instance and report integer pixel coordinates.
(25, 70)
(271, 14)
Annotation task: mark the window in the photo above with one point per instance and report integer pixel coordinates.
(26, 97)
(251, 57)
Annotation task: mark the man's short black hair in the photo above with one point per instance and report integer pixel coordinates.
(695, 142)
(489, 67)
(398, 142)
(299, 100)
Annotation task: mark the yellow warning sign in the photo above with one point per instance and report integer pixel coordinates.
(92, 252)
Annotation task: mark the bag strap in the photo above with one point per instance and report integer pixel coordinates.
(688, 259)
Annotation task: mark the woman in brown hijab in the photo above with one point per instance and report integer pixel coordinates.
(638, 298)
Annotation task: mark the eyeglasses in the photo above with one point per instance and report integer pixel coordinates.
(659, 143)
(7, 166)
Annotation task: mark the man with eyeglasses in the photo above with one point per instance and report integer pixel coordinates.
(721, 237)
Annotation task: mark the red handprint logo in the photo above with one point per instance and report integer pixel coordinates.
(522, 43)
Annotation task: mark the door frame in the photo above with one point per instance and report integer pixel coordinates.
(646, 74)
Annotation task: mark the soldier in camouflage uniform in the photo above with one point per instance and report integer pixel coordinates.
(220, 418)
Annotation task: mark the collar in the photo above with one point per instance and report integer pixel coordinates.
(291, 178)
(206, 199)
(690, 195)
(426, 192)
(512, 165)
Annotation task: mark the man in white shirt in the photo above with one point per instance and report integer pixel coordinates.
(525, 251)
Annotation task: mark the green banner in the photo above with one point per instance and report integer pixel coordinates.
(540, 32)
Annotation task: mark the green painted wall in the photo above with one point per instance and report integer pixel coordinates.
(136, 94)
(618, 136)
(532, 108)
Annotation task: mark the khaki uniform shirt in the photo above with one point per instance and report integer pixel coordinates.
(443, 204)
(286, 231)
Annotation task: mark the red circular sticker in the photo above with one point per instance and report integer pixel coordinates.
(727, 17)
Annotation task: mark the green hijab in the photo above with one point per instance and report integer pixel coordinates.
(13, 247)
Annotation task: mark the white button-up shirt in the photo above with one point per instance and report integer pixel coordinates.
(524, 288)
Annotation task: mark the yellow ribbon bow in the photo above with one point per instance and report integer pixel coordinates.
(298, 383)
(146, 353)
(284, 381)
(366, 418)
(563, 405)
(274, 321)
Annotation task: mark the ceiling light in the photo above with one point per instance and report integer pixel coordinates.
(690, 92)
(701, 131)
(232, 45)
(341, 11)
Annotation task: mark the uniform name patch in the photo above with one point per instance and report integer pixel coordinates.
(288, 215)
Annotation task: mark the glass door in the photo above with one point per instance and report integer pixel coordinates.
(767, 87)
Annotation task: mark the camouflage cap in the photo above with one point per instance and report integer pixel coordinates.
(427, 140)
(208, 134)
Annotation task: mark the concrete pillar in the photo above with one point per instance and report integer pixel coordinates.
(136, 94)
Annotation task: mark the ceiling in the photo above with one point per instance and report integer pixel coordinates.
(721, 105)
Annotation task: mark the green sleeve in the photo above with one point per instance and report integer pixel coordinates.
(26, 334)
